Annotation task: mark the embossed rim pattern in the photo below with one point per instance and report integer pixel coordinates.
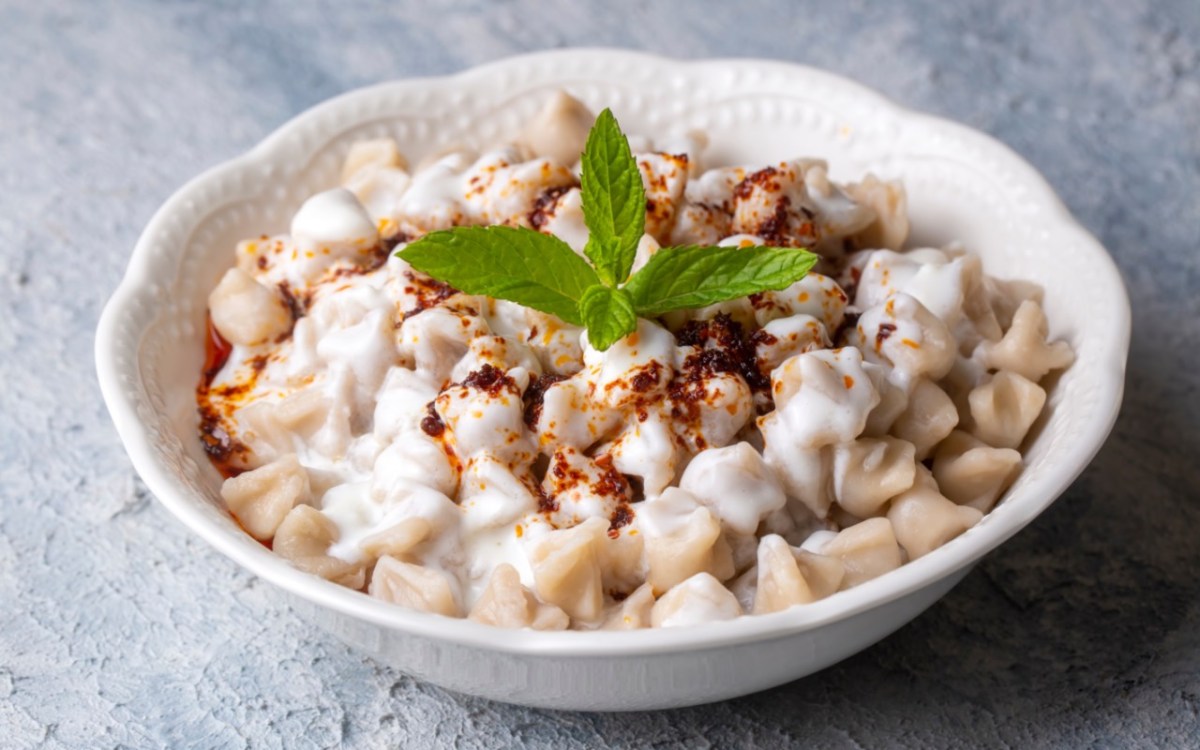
(145, 316)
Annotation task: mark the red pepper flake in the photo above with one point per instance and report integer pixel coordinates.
(535, 395)
(621, 517)
(543, 207)
(432, 425)
(489, 379)
(429, 292)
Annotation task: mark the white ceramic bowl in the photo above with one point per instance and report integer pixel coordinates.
(962, 185)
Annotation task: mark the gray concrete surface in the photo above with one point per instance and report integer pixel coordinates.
(118, 629)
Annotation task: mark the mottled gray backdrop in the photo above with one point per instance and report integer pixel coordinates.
(118, 628)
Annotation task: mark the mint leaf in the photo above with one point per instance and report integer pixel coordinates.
(520, 265)
(678, 278)
(614, 200)
(608, 314)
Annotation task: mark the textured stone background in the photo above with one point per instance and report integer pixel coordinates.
(117, 628)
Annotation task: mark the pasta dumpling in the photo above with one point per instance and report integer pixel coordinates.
(566, 569)
(867, 549)
(970, 472)
(413, 586)
(682, 538)
(1004, 408)
(699, 599)
(1024, 349)
(505, 603)
(304, 539)
(786, 576)
(868, 472)
(924, 520)
(260, 499)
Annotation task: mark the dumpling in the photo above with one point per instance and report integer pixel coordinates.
(867, 550)
(633, 612)
(566, 569)
(924, 520)
(869, 472)
(260, 499)
(821, 398)
(413, 586)
(505, 603)
(970, 472)
(787, 576)
(890, 203)
(559, 130)
(1004, 408)
(378, 152)
(735, 484)
(397, 541)
(246, 312)
(1024, 349)
(929, 418)
(304, 539)
(682, 538)
(696, 601)
(903, 333)
(805, 473)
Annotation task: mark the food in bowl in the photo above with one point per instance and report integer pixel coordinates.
(467, 455)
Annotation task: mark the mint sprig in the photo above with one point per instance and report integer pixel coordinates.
(614, 200)
(543, 272)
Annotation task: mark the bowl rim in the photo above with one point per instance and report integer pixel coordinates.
(914, 575)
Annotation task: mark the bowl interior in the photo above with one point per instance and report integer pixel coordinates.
(961, 186)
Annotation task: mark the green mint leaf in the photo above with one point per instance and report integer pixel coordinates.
(608, 314)
(614, 200)
(678, 278)
(520, 265)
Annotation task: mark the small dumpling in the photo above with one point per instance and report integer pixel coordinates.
(413, 586)
(260, 499)
(304, 538)
(486, 413)
(436, 339)
(1004, 408)
(787, 576)
(682, 538)
(664, 177)
(889, 201)
(649, 450)
(333, 225)
(397, 541)
(376, 172)
(924, 520)
(821, 398)
(413, 458)
(970, 472)
(505, 603)
(1024, 349)
(805, 473)
(869, 472)
(893, 398)
(567, 569)
(378, 152)
(736, 484)
(559, 130)
(786, 337)
(929, 418)
(698, 600)
(867, 550)
(903, 333)
(245, 312)
(633, 613)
